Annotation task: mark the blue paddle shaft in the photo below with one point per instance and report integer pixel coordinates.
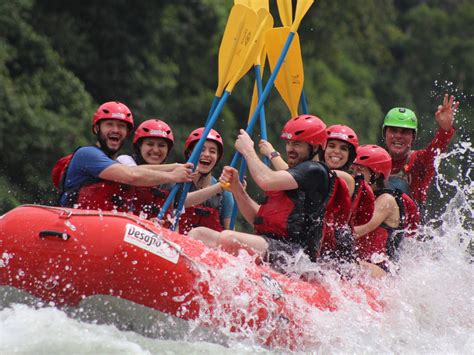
(304, 103)
(193, 159)
(266, 91)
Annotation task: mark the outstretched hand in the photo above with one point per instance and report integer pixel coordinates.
(445, 113)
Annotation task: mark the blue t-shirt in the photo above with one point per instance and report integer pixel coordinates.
(84, 168)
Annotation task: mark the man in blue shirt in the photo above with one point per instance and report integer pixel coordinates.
(94, 180)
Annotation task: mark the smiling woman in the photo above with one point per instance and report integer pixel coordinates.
(207, 204)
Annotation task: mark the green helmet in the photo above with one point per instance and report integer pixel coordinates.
(400, 117)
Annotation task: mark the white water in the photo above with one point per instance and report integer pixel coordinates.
(429, 307)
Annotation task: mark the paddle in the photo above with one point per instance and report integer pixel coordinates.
(253, 4)
(231, 49)
(301, 9)
(257, 92)
(289, 81)
(285, 10)
(251, 37)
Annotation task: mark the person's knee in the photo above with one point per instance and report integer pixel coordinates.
(206, 235)
(197, 233)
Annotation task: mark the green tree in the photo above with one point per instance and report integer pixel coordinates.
(44, 109)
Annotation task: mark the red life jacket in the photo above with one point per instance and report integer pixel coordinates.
(385, 240)
(104, 195)
(59, 169)
(337, 232)
(283, 216)
(149, 200)
(203, 215)
(363, 202)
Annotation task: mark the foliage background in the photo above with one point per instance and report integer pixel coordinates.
(59, 59)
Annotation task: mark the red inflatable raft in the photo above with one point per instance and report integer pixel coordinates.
(64, 255)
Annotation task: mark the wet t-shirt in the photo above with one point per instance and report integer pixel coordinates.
(313, 179)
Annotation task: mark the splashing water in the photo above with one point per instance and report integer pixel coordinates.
(429, 304)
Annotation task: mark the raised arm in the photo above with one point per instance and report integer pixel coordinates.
(267, 149)
(264, 177)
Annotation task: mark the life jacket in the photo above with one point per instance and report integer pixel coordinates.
(363, 202)
(338, 239)
(59, 169)
(102, 194)
(206, 214)
(283, 215)
(385, 240)
(149, 200)
(402, 179)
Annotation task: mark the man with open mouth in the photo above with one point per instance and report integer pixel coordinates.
(91, 178)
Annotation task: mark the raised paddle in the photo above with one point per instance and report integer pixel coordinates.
(301, 9)
(265, 22)
(232, 48)
(251, 38)
(290, 79)
(285, 9)
(256, 94)
(254, 4)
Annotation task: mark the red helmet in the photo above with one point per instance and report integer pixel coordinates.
(375, 158)
(113, 110)
(343, 133)
(195, 135)
(154, 128)
(306, 128)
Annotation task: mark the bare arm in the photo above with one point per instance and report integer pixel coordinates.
(349, 180)
(161, 167)
(142, 176)
(267, 149)
(247, 206)
(264, 177)
(199, 196)
(385, 209)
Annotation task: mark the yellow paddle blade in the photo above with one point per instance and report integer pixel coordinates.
(254, 4)
(290, 79)
(285, 10)
(253, 47)
(302, 8)
(240, 23)
(261, 62)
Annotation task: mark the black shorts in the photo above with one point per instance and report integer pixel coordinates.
(280, 254)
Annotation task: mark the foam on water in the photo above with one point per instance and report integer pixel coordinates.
(429, 303)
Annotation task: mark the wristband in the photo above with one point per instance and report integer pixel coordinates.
(274, 154)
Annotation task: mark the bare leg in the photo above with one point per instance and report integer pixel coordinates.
(206, 235)
(230, 241)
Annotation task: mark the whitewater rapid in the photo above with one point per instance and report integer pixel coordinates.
(429, 308)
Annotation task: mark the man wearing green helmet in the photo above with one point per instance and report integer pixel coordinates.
(413, 170)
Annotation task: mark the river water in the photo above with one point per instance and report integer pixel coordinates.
(429, 305)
